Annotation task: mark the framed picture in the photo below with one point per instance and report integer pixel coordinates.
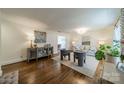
(40, 37)
(86, 43)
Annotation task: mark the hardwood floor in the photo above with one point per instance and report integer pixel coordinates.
(46, 71)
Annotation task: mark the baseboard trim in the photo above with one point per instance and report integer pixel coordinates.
(11, 61)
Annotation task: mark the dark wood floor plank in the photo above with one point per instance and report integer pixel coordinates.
(46, 71)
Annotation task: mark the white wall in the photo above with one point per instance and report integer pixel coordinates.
(0, 38)
(15, 39)
(16, 32)
(0, 46)
(77, 38)
(105, 34)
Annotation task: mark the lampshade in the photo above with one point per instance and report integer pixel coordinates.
(101, 42)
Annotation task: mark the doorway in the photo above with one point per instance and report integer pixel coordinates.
(61, 43)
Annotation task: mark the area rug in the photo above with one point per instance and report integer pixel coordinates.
(88, 68)
(9, 78)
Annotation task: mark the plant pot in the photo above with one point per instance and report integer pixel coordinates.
(116, 60)
(109, 59)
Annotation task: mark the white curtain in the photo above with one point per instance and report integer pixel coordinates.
(117, 36)
(117, 33)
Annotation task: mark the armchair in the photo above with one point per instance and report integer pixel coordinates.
(64, 53)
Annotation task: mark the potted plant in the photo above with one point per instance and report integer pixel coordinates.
(100, 53)
(106, 52)
(115, 52)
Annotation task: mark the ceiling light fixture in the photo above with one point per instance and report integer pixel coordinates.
(82, 30)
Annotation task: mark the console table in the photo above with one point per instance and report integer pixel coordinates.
(35, 53)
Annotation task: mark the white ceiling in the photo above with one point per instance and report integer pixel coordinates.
(65, 19)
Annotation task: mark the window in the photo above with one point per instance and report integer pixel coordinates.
(62, 42)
